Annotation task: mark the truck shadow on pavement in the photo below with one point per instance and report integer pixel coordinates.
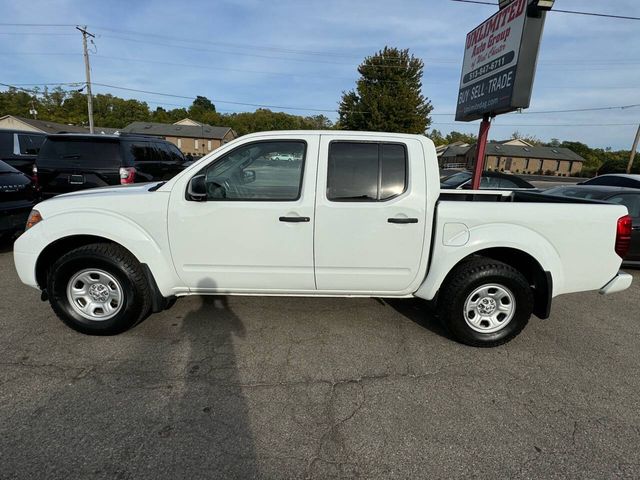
(419, 312)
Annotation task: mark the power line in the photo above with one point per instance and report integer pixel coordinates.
(48, 34)
(533, 112)
(555, 10)
(547, 124)
(38, 24)
(258, 105)
(574, 110)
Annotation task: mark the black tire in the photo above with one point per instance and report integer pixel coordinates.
(115, 261)
(470, 275)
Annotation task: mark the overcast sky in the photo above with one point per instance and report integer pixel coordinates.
(297, 53)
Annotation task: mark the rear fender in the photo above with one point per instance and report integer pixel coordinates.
(445, 258)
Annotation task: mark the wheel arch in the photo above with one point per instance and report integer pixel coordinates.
(540, 277)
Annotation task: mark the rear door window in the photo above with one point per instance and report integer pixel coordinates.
(138, 151)
(84, 153)
(366, 171)
(176, 154)
(162, 153)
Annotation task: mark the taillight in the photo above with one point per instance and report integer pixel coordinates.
(623, 235)
(34, 176)
(127, 175)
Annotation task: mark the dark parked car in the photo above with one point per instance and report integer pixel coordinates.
(629, 197)
(489, 181)
(615, 180)
(16, 200)
(70, 162)
(20, 149)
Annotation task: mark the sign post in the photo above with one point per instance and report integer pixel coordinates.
(499, 67)
(480, 148)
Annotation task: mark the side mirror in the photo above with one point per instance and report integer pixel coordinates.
(248, 176)
(197, 189)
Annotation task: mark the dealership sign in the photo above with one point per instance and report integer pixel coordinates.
(499, 62)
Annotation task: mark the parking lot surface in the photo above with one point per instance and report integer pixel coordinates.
(248, 387)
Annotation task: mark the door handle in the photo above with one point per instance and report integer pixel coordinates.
(402, 220)
(295, 219)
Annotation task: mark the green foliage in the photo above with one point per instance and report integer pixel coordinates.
(454, 136)
(530, 139)
(387, 96)
(110, 111)
(437, 137)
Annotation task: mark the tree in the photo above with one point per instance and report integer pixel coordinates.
(454, 136)
(530, 139)
(203, 103)
(387, 96)
(437, 137)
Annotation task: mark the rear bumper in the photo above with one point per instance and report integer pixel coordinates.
(620, 282)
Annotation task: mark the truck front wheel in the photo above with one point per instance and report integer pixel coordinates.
(99, 289)
(485, 303)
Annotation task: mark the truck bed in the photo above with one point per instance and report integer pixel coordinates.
(572, 238)
(513, 196)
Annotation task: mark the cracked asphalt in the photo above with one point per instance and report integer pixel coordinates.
(247, 387)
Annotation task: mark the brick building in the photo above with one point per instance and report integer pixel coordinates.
(189, 136)
(515, 156)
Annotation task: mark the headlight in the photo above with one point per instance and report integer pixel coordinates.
(34, 218)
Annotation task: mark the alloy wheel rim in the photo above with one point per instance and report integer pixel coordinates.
(95, 294)
(489, 308)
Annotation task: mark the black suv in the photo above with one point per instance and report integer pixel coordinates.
(70, 162)
(16, 200)
(20, 149)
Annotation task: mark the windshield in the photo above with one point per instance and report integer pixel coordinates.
(455, 179)
(4, 168)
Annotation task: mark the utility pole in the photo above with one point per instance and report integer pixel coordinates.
(633, 150)
(87, 70)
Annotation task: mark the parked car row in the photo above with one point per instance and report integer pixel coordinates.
(35, 166)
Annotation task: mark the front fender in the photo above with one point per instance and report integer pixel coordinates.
(496, 235)
(150, 249)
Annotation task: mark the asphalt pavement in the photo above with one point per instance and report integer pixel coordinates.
(248, 387)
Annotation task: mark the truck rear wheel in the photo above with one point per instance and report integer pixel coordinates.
(99, 289)
(485, 303)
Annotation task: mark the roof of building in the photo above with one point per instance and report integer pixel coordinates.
(47, 126)
(172, 130)
(454, 150)
(501, 149)
(547, 153)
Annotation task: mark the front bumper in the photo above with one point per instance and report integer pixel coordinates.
(620, 282)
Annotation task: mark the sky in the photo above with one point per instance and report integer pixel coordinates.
(298, 56)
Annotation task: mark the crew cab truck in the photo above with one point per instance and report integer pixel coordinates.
(354, 214)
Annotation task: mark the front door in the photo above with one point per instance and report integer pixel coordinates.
(254, 232)
(370, 215)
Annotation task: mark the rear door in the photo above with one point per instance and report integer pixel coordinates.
(370, 215)
(67, 163)
(146, 159)
(177, 159)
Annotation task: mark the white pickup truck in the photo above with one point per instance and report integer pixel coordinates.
(355, 214)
